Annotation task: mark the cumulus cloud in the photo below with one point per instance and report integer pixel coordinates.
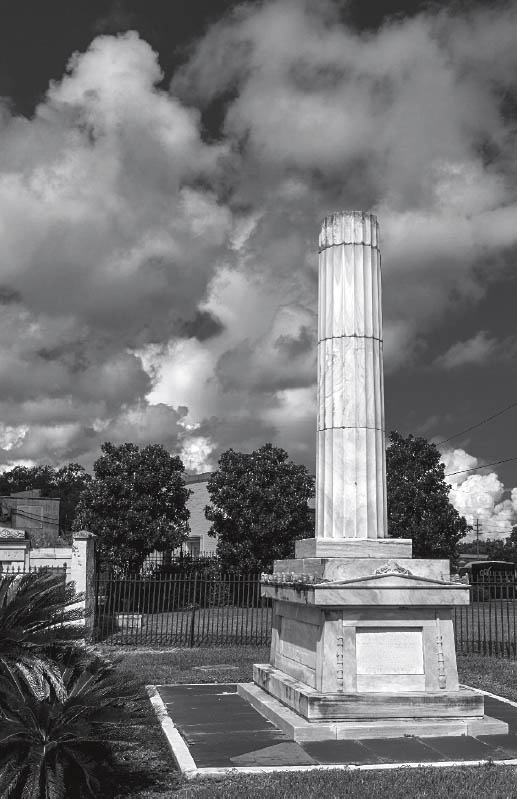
(479, 497)
(476, 351)
(111, 231)
(156, 286)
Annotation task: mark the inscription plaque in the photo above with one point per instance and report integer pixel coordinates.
(389, 651)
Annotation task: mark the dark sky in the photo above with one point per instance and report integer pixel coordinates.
(122, 198)
(37, 38)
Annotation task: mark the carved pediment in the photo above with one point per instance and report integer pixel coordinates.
(392, 567)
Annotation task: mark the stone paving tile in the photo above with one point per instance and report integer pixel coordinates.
(212, 713)
(210, 710)
(506, 745)
(503, 711)
(463, 747)
(224, 725)
(340, 752)
(403, 750)
(169, 692)
(283, 754)
(216, 750)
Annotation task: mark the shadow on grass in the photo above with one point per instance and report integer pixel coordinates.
(143, 764)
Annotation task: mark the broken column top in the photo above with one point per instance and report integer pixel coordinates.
(345, 227)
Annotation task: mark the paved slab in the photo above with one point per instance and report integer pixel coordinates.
(404, 750)
(285, 754)
(220, 730)
(340, 752)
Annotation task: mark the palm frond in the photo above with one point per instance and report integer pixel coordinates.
(10, 776)
(38, 613)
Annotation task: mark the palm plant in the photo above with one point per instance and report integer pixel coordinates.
(56, 747)
(39, 625)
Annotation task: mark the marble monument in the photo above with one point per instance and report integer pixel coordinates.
(363, 639)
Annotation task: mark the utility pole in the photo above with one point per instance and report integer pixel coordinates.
(477, 536)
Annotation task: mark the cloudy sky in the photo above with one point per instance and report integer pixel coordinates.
(164, 169)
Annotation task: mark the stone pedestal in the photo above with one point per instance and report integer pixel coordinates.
(364, 648)
(363, 639)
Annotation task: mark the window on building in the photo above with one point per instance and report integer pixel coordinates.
(194, 546)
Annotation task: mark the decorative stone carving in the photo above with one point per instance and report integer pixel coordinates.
(289, 578)
(392, 567)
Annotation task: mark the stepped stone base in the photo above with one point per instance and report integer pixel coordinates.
(301, 729)
(315, 705)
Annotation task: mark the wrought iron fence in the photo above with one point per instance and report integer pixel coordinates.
(200, 608)
(181, 609)
(488, 625)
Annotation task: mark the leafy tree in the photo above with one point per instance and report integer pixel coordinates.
(23, 478)
(66, 484)
(418, 499)
(496, 549)
(56, 747)
(259, 507)
(70, 482)
(135, 503)
(38, 626)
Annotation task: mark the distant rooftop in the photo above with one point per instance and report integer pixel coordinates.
(197, 478)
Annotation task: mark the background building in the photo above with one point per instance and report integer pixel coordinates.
(28, 510)
(199, 542)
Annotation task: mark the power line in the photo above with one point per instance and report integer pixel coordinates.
(483, 421)
(473, 469)
(498, 531)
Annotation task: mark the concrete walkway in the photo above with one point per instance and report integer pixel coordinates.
(211, 729)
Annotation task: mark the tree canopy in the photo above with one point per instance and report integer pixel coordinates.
(136, 503)
(496, 549)
(66, 483)
(418, 499)
(259, 507)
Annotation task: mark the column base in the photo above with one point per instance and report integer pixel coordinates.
(353, 548)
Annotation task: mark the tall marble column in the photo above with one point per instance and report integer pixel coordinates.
(350, 469)
(362, 643)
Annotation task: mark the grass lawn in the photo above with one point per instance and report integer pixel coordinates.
(147, 770)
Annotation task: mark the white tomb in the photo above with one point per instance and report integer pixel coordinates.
(363, 639)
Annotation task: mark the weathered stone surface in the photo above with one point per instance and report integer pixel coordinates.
(394, 592)
(353, 548)
(350, 461)
(347, 568)
(313, 704)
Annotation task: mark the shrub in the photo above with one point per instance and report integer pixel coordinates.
(55, 747)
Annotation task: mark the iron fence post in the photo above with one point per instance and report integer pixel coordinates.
(192, 620)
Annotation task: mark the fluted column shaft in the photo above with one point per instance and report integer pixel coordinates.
(351, 460)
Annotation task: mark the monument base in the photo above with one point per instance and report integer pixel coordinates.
(301, 729)
(364, 648)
